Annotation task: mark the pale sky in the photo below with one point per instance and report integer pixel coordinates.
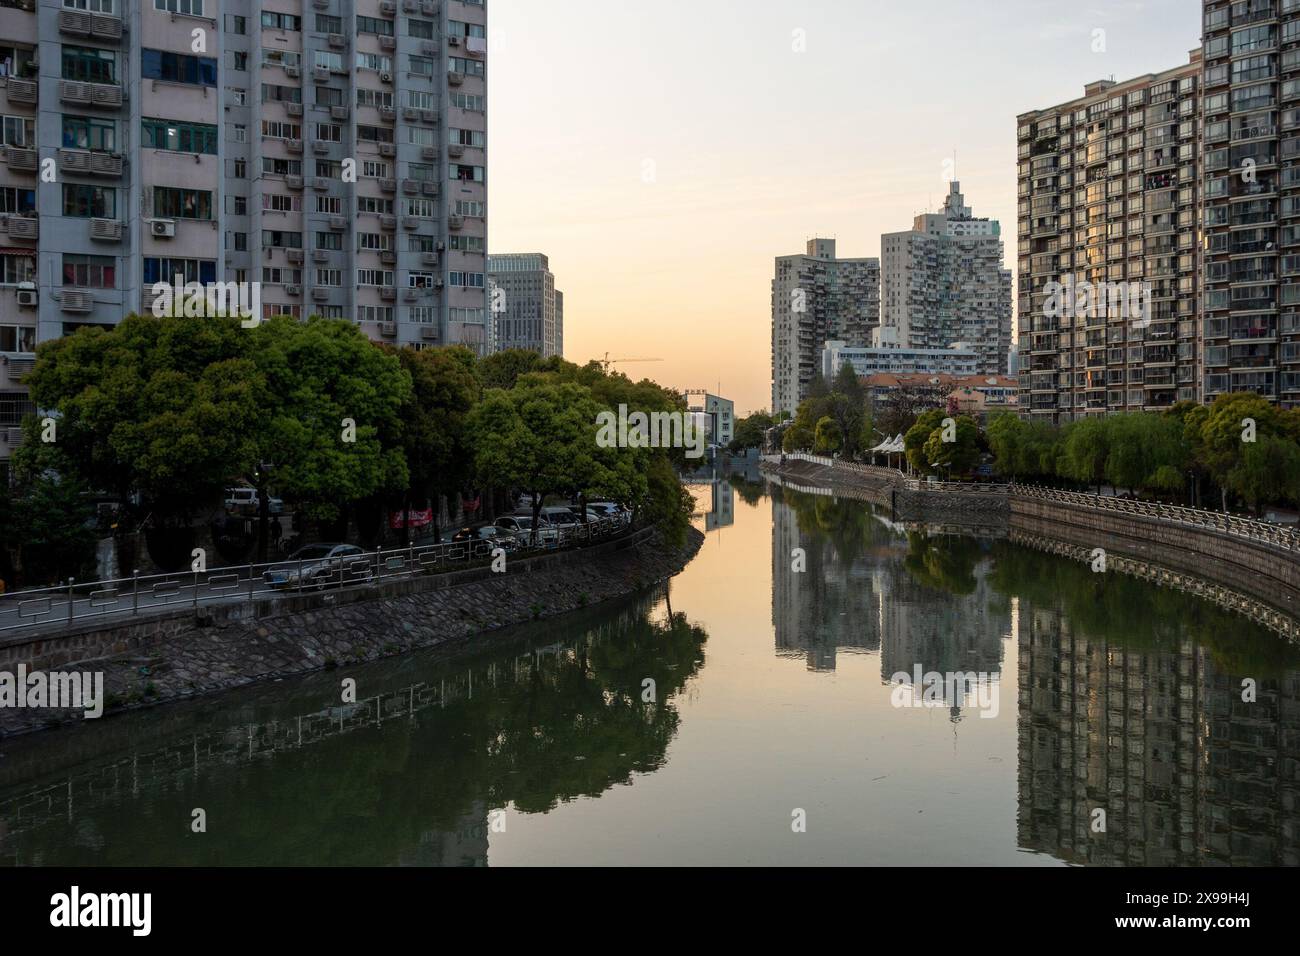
(663, 152)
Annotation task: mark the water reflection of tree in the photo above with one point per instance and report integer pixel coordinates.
(567, 725)
(943, 562)
(1135, 613)
(849, 526)
(751, 492)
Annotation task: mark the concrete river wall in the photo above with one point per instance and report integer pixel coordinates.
(190, 652)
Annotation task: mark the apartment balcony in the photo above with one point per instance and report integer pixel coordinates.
(99, 95)
(1256, 131)
(22, 91)
(88, 163)
(98, 26)
(20, 227)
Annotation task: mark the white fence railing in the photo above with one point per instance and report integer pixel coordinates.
(77, 602)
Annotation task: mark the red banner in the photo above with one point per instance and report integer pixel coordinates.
(471, 504)
(418, 519)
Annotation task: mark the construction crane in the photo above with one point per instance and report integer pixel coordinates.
(609, 361)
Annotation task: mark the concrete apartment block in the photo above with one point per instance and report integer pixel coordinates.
(943, 282)
(817, 297)
(332, 150)
(528, 310)
(1109, 194)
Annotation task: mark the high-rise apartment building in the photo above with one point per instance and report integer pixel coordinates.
(1108, 197)
(817, 297)
(943, 282)
(333, 151)
(527, 311)
(1251, 109)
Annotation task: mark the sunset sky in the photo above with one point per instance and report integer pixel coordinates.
(662, 153)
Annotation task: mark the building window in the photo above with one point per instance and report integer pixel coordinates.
(179, 137)
(89, 65)
(172, 203)
(189, 8)
(84, 132)
(178, 68)
(89, 272)
(86, 201)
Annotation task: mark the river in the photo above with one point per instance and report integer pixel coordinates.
(787, 699)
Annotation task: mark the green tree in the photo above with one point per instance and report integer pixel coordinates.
(918, 435)
(1083, 451)
(538, 437)
(433, 418)
(829, 438)
(1268, 471)
(958, 457)
(502, 369)
(332, 429)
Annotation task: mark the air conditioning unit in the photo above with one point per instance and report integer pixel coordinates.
(292, 71)
(27, 297)
(387, 328)
(440, 245)
(429, 152)
(293, 290)
(162, 228)
(320, 255)
(454, 41)
(429, 332)
(429, 258)
(385, 77)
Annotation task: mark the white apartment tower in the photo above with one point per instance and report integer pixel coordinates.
(815, 298)
(943, 282)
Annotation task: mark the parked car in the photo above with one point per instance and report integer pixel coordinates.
(521, 526)
(494, 537)
(560, 517)
(246, 501)
(611, 509)
(319, 566)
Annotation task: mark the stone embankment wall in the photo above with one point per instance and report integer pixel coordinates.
(1270, 574)
(1267, 573)
(217, 647)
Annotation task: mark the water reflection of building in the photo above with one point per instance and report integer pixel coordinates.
(466, 845)
(1187, 772)
(856, 593)
(723, 513)
(949, 634)
(828, 606)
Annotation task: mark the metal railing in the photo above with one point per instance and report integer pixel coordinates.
(77, 602)
(1252, 529)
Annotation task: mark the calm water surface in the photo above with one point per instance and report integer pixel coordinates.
(773, 694)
